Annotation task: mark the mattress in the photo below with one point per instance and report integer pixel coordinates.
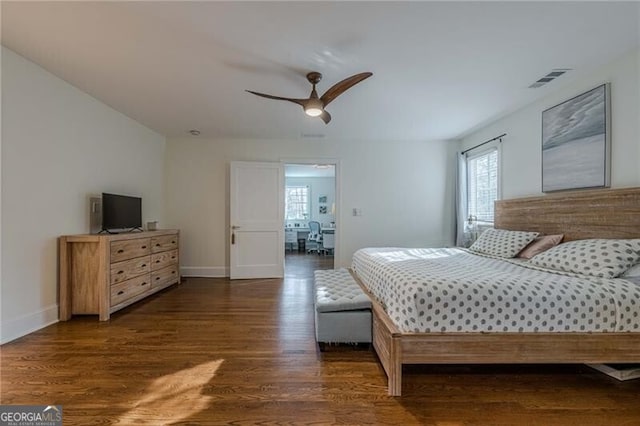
(455, 290)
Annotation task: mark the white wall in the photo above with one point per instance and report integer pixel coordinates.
(405, 191)
(318, 186)
(58, 146)
(522, 148)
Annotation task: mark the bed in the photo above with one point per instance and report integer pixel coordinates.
(420, 325)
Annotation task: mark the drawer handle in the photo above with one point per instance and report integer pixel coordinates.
(120, 272)
(144, 247)
(158, 245)
(144, 283)
(120, 251)
(144, 265)
(121, 292)
(173, 272)
(173, 257)
(157, 278)
(158, 261)
(173, 242)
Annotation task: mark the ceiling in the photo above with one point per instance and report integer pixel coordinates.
(440, 69)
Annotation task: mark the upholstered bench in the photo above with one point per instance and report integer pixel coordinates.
(343, 310)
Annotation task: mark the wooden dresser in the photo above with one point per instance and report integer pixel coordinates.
(100, 274)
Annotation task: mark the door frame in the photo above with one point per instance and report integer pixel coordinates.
(338, 194)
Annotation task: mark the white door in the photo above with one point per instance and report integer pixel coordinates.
(257, 220)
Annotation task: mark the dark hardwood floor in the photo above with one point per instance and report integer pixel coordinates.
(212, 351)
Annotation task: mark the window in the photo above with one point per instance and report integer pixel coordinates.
(296, 203)
(482, 185)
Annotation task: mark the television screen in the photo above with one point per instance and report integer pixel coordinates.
(121, 211)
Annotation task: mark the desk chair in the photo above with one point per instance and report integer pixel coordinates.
(315, 236)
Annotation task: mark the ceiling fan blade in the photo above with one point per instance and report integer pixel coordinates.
(301, 102)
(340, 87)
(325, 116)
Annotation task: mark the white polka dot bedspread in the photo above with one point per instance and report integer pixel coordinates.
(454, 290)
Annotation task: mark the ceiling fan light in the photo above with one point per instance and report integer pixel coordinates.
(313, 108)
(313, 111)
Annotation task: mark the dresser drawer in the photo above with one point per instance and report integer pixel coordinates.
(168, 275)
(128, 249)
(164, 259)
(127, 269)
(130, 288)
(164, 243)
(290, 236)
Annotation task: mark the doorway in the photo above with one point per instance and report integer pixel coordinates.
(310, 196)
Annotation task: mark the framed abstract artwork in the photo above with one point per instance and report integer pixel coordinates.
(576, 142)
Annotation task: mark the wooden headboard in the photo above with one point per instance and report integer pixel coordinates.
(600, 213)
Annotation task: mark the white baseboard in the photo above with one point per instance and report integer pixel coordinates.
(204, 271)
(25, 324)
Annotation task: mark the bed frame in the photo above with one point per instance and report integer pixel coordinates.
(604, 213)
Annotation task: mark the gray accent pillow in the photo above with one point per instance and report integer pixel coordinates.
(601, 258)
(634, 271)
(502, 243)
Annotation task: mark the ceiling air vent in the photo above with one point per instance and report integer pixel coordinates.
(549, 77)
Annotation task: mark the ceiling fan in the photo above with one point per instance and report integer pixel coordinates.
(314, 106)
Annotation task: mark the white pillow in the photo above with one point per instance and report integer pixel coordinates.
(502, 243)
(598, 257)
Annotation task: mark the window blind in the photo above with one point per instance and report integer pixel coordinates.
(482, 184)
(296, 202)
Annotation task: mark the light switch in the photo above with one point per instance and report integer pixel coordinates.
(357, 212)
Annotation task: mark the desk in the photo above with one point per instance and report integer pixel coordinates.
(295, 233)
(328, 239)
(291, 236)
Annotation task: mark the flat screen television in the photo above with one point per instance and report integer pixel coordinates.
(121, 212)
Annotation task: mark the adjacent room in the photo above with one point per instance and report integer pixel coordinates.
(310, 212)
(220, 212)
